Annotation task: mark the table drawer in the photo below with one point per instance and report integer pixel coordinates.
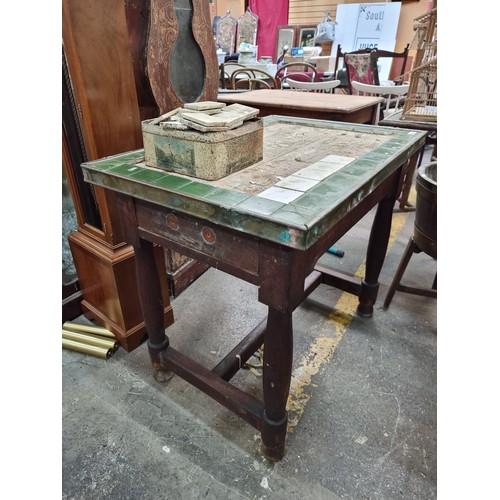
(200, 239)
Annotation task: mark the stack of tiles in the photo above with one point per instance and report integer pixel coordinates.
(210, 116)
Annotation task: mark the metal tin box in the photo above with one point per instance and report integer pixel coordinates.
(204, 155)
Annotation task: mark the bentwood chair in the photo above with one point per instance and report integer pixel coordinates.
(226, 70)
(250, 78)
(301, 71)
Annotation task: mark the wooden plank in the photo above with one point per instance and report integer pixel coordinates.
(310, 11)
(235, 360)
(241, 403)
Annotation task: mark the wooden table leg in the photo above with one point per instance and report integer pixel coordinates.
(150, 297)
(277, 372)
(408, 181)
(375, 255)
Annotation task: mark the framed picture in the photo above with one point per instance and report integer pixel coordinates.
(306, 34)
(285, 35)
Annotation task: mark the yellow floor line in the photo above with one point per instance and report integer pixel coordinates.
(322, 348)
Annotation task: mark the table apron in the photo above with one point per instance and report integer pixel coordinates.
(362, 116)
(220, 247)
(278, 270)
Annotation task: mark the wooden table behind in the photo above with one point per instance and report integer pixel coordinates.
(430, 127)
(336, 107)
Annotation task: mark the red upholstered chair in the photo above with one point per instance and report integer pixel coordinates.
(340, 72)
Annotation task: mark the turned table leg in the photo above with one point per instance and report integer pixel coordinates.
(277, 371)
(375, 255)
(150, 297)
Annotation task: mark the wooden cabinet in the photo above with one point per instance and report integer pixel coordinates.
(101, 117)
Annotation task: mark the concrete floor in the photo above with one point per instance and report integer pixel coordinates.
(362, 404)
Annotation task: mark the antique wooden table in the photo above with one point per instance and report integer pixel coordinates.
(395, 120)
(268, 225)
(337, 107)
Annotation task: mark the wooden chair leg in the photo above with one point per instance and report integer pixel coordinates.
(410, 249)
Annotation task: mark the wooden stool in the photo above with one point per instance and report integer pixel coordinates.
(424, 237)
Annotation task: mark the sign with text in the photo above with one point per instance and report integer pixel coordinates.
(368, 25)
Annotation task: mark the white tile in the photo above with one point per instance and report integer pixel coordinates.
(325, 167)
(340, 161)
(280, 194)
(297, 183)
(316, 171)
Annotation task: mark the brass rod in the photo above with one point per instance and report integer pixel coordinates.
(87, 338)
(79, 327)
(93, 350)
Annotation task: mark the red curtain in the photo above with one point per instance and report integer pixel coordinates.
(271, 14)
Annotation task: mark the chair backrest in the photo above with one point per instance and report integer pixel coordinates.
(360, 68)
(339, 72)
(231, 66)
(340, 56)
(326, 86)
(301, 71)
(226, 70)
(393, 96)
(399, 64)
(251, 78)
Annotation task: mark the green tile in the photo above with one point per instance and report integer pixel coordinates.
(259, 205)
(126, 169)
(120, 160)
(197, 189)
(226, 197)
(327, 193)
(360, 169)
(148, 175)
(296, 215)
(169, 181)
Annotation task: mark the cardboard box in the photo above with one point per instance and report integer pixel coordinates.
(298, 59)
(204, 155)
(323, 63)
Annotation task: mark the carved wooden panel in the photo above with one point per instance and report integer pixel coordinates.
(181, 57)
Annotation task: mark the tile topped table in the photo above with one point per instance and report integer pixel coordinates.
(267, 224)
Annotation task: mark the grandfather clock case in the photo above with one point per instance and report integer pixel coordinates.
(101, 118)
(125, 61)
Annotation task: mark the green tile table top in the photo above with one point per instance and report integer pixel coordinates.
(312, 174)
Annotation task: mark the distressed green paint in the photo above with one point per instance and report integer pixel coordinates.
(177, 157)
(285, 237)
(297, 224)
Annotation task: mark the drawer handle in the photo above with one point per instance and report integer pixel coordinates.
(172, 221)
(208, 235)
